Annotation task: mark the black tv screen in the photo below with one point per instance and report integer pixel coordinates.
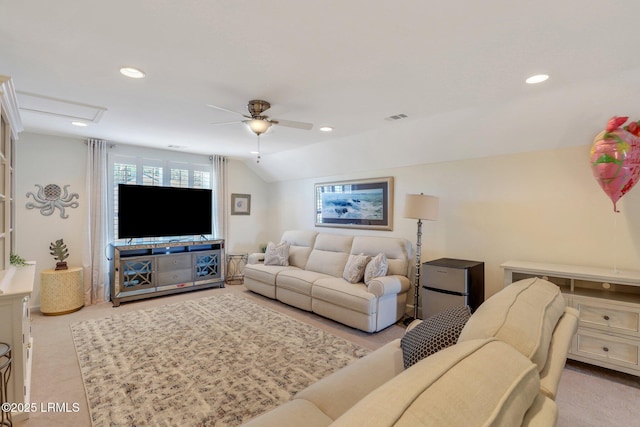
(148, 211)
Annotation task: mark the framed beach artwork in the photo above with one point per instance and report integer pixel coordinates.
(241, 204)
(364, 203)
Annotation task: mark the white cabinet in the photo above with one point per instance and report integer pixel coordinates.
(609, 305)
(10, 126)
(16, 285)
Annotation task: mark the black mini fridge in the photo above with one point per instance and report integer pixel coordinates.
(448, 282)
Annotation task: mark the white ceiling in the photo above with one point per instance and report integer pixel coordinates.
(343, 63)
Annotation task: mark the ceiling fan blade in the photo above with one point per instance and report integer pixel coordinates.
(293, 124)
(227, 123)
(227, 110)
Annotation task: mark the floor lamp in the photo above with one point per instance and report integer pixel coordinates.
(420, 207)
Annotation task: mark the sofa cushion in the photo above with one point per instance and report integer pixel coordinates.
(354, 270)
(302, 242)
(265, 273)
(433, 334)
(377, 267)
(474, 383)
(397, 251)
(336, 393)
(542, 413)
(558, 349)
(523, 314)
(277, 254)
(297, 280)
(330, 254)
(353, 296)
(294, 413)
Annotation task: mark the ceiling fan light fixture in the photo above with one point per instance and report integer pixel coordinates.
(259, 126)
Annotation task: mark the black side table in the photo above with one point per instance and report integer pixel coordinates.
(5, 373)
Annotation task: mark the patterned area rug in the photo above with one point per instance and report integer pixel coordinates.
(216, 361)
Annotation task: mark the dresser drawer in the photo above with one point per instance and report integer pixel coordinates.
(607, 317)
(174, 277)
(174, 262)
(605, 348)
(446, 278)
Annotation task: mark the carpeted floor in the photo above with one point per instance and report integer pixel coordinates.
(588, 396)
(211, 361)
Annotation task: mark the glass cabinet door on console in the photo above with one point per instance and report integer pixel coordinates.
(137, 273)
(207, 265)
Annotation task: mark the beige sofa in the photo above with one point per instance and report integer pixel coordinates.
(503, 371)
(313, 279)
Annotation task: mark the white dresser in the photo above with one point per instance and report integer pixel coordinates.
(609, 305)
(16, 285)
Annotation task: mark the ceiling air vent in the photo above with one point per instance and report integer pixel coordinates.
(396, 117)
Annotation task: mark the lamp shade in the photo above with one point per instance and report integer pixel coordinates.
(420, 206)
(259, 126)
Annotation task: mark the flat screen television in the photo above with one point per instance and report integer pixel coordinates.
(149, 211)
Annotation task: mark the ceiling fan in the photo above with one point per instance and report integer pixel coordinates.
(260, 123)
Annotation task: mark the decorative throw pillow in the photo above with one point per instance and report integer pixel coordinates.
(433, 334)
(277, 254)
(354, 270)
(377, 267)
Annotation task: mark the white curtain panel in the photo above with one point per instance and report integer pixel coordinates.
(220, 197)
(94, 261)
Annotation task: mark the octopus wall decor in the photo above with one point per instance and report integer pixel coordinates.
(50, 197)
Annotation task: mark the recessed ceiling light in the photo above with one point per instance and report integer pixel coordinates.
(326, 128)
(80, 124)
(538, 78)
(254, 152)
(132, 72)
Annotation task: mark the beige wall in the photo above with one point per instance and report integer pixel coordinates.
(46, 160)
(247, 231)
(541, 206)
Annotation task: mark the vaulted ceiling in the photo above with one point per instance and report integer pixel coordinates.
(349, 64)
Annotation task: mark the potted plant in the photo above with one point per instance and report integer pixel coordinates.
(60, 253)
(17, 261)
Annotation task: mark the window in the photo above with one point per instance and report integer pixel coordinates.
(180, 178)
(147, 171)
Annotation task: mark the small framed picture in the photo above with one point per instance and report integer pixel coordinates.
(241, 204)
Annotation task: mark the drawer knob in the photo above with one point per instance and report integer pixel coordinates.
(606, 317)
(606, 349)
